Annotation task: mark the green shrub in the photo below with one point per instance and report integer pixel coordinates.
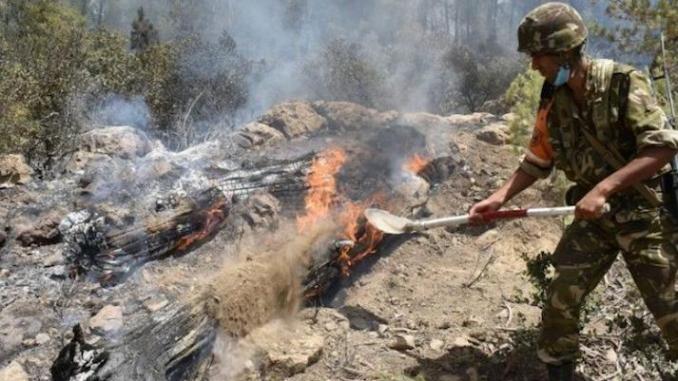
(342, 72)
(40, 66)
(522, 97)
(468, 79)
(54, 72)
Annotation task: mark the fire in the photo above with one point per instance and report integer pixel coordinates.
(365, 237)
(415, 163)
(212, 218)
(322, 187)
(322, 197)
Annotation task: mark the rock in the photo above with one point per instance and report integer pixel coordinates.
(81, 160)
(155, 304)
(461, 341)
(351, 116)
(120, 141)
(18, 322)
(108, 319)
(40, 230)
(13, 372)
(444, 325)
(422, 120)
(413, 188)
(494, 106)
(488, 238)
(477, 118)
(257, 134)
(611, 356)
(286, 349)
(3, 238)
(99, 147)
(294, 119)
(29, 343)
(495, 133)
(473, 321)
(437, 345)
(402, 342)
(14, 171)
(331, 326)
(53, 259)
(41, 338)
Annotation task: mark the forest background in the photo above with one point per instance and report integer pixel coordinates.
(186, 71)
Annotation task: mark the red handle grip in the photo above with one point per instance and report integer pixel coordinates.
(515, 213)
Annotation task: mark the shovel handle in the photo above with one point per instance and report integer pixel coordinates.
(501, 214)
(496, 215)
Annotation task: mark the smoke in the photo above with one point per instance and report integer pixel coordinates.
(119, 111)
(397, 61)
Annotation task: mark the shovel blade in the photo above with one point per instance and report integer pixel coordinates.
(387, 222)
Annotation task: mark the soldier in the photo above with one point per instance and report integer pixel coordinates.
(599, 123)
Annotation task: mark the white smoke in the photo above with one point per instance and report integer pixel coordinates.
(120, 111)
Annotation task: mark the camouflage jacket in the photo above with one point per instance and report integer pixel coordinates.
(627, 125)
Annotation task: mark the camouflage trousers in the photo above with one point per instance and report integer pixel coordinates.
(645, 237)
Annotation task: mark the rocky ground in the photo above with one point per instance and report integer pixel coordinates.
(442, 305)
(447, 305)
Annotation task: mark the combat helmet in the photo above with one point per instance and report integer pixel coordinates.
(551, 28)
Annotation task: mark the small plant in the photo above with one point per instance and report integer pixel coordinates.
(539, 273)
(522, 97)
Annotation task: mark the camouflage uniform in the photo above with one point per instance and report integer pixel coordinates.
(644, 234)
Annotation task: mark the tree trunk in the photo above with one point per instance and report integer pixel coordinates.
(447, 16)
(84, 5)
(100, 13)
(457, 28)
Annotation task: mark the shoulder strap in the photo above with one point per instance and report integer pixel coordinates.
(616, 161)
(604, 75)
(600, 81)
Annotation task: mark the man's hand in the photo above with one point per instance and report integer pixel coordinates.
(592, 206)
(488, 205)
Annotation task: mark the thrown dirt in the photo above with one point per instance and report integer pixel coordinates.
(247, 294)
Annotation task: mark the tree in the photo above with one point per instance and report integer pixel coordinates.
(638, 31)
(343, 73)
(143, 33)
(472, 78)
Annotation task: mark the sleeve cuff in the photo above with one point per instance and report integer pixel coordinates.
(658, 138)
(535, 170)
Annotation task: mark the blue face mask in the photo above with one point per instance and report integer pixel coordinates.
(562, 76)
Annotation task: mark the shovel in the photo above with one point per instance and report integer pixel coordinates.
(391, 224)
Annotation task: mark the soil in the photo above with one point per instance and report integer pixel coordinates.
(460, 294)
(445, 304)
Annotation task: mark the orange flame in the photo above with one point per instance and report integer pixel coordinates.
(322, 186)
(365, 236)
(322, 197)
(415, 163)
(213, 218)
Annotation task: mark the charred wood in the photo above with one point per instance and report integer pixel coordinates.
(176, 342)
(109, 253)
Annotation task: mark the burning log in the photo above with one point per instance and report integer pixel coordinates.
(176, 341)
(240, 298)
(109, 254)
